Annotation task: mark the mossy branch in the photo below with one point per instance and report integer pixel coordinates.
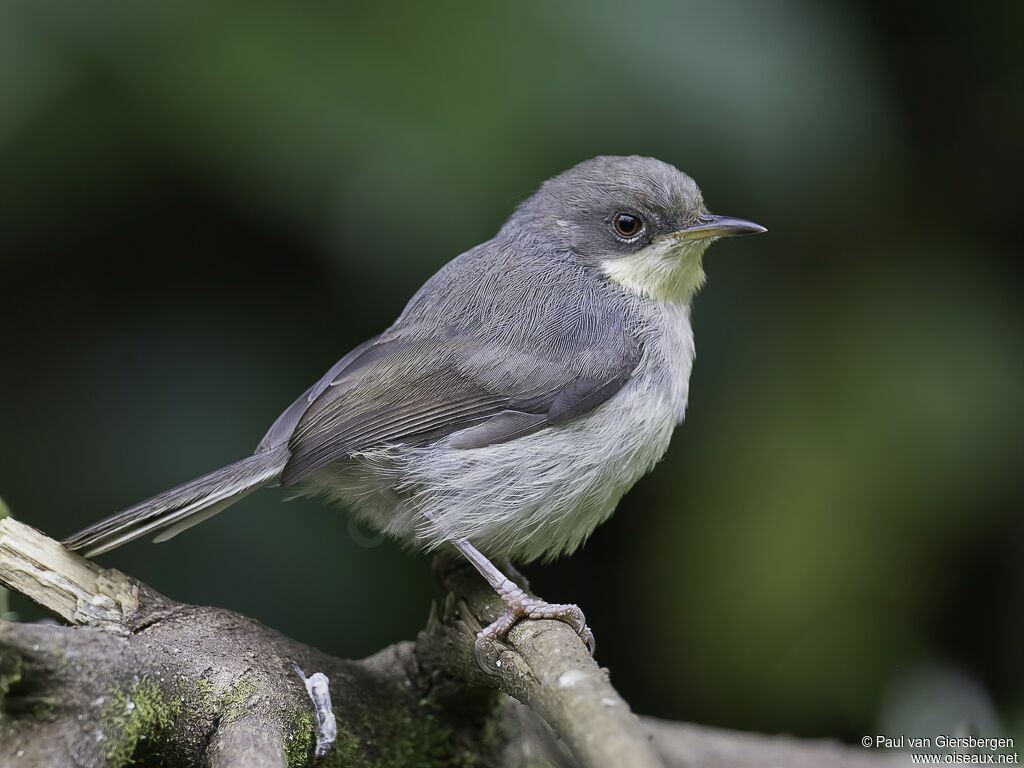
(141, 679)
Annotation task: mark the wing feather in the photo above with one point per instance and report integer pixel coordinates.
(419, 392)
(417, 384)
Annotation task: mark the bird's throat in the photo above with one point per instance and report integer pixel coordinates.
(664, 270)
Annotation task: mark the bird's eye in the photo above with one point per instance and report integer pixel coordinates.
(627, 225)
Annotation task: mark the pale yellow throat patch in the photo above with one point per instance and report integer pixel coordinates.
(665, 270)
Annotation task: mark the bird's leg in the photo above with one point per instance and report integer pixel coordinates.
(506, 566)
(520, 604)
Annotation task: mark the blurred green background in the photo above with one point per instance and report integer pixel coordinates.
(203, 206)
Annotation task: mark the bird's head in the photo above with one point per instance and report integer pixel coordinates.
(640, 221)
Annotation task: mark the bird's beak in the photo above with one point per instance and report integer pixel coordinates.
(715, 226)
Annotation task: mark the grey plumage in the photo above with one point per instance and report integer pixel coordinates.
(181, 504)
(524, 388)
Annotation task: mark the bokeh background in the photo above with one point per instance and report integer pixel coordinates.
(203, 206)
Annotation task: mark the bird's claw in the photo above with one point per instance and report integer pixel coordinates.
(525, 607)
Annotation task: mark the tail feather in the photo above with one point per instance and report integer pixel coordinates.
(184, 506)
(195, 518)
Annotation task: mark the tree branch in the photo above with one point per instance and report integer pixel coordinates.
(544, 666)
(143, 677)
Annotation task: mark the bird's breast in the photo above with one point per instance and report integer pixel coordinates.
(664, 370)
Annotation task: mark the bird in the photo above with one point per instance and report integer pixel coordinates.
(522, 391)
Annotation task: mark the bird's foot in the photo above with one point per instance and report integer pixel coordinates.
(523, 606)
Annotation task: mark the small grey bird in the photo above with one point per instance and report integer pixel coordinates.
(523, 390)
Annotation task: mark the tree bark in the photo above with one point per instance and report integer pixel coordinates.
(138, 678)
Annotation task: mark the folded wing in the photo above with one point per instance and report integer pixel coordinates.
(413, 389)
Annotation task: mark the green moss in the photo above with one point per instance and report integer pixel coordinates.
(347, 750)
(45, 707)
(133, 713)
(204, 689)
(229, 705)
(301, 739)
(7, 679)
(36, 707)
(232, 701)
(138, 718)
(401, 739)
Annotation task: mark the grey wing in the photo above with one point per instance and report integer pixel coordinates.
(284, 424)
(416, 391)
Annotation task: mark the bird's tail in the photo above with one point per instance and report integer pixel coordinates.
(184, 506)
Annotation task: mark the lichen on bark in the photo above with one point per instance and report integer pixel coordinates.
(139, 679)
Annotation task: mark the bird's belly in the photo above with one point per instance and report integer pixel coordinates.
(534, 497)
